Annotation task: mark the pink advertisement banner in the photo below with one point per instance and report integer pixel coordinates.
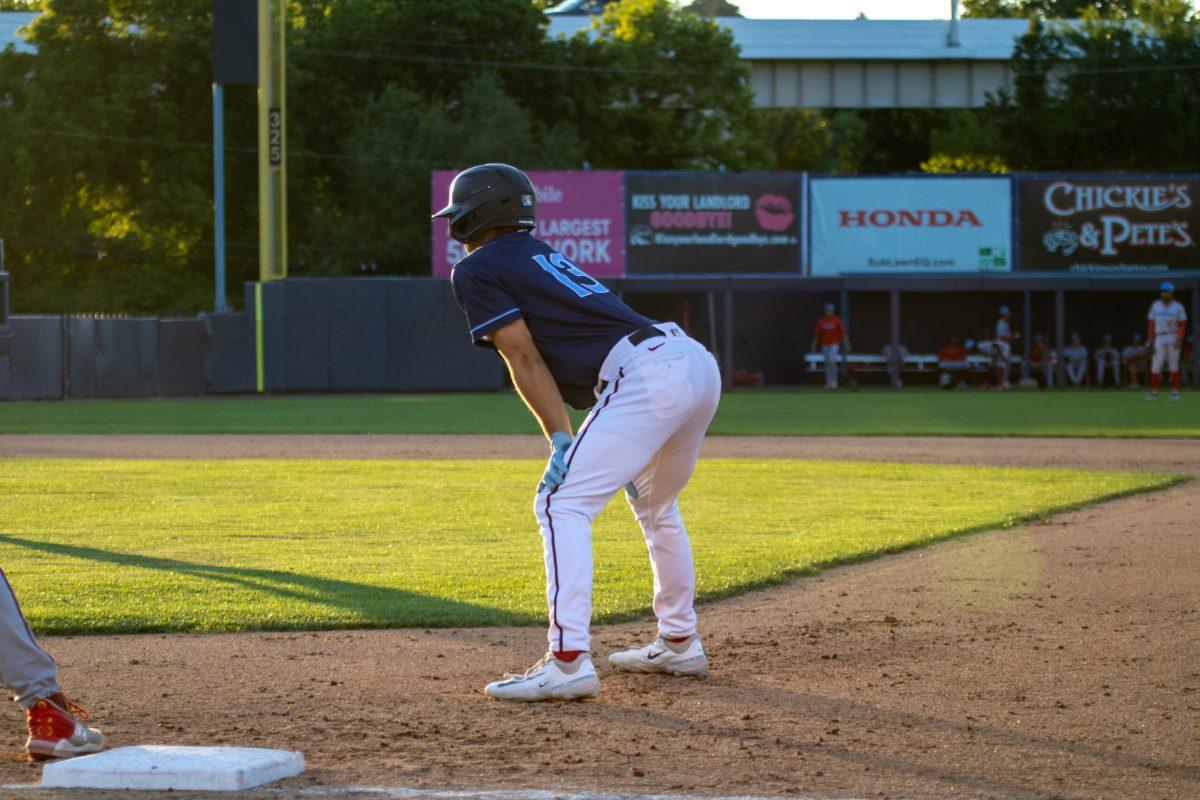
(580, 214)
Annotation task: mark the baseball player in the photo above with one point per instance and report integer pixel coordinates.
(1004, 340)
(894, 358)
(652, 392)
(1133, 356)
(1075, 356)
(56, 725)
(952, 360)
(1167, 327)
(1108, 364)
(830, 334)
(1041, 361)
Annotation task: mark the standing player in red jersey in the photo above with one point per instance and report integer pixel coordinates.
(830, 335)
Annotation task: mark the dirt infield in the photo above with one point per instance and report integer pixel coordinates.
(1058, 659)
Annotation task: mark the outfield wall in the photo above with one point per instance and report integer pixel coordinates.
(408, 335)
(365, 335)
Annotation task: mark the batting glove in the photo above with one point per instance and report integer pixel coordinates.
(556, 467)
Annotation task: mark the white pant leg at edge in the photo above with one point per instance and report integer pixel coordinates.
(1076, 370)
(831, 365)
(25, 668)
(1164, 353)
(658, 393)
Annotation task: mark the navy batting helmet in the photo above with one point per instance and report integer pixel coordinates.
(489, 196)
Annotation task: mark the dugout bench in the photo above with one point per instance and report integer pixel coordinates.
(874, 362)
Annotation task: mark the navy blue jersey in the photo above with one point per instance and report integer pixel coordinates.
(573, 318)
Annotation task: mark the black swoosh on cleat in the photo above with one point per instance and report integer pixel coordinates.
(656, 655)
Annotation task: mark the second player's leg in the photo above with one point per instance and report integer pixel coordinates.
(1157, 362)
(25, 668)
(831, 365)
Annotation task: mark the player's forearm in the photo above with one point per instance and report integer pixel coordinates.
(537, 388)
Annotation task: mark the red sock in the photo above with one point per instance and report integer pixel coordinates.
(1175, 381)
(675, 639)
(1154, 382)
(568, 656)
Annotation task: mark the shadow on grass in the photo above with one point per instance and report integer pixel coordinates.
(376, 606)
(1164, 481)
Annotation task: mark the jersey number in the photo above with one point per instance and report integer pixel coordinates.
(570, 275)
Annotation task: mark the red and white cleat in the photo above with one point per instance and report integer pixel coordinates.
(57, 730)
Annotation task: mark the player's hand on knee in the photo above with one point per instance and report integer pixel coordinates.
(556, 467)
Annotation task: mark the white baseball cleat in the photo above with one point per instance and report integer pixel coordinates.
(1152, 395)
(663, 656)
(549, 679)
(1174, 395)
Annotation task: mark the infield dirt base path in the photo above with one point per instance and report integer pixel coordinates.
(1058, 659)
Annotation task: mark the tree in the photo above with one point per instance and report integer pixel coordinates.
(381, 217)
(969, 142)
(104, 200)
(1048, 9)
(1104, 95)
(713, 8)
(676, 97)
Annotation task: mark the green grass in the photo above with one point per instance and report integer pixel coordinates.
(95, 546)
(746, 412)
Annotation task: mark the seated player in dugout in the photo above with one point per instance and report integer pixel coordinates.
(652, 391)
(954, 365)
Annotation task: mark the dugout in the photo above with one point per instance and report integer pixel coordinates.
(764, 323)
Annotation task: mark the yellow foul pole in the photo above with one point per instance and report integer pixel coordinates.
(272, 170)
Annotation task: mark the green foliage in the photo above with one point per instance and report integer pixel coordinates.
(965, 144)
(680, 99)
(1048, 9)
(713, 8)
(1104, 95)
(108, 202)
(391, 145)
(806, 139)
(196, 545)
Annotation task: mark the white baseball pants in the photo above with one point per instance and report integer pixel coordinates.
(832, 357)
(1103, 368)
(1165, 353)
(646, 427)
(1077, 372)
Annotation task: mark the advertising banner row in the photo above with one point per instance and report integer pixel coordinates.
(634, 223)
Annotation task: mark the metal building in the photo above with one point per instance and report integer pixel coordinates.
(860, 63)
